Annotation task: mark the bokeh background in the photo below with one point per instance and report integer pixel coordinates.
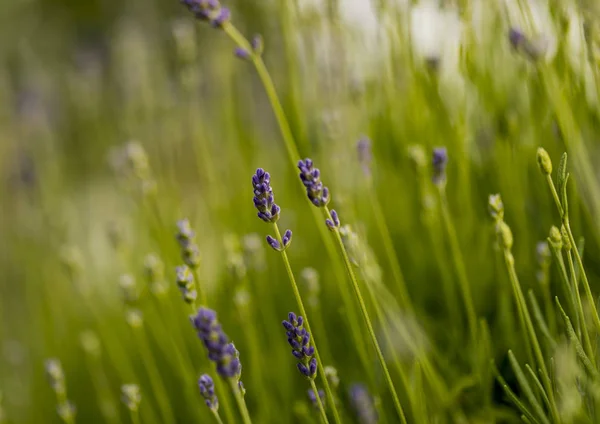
(79, 80)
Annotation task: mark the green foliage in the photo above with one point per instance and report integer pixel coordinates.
(119, 121)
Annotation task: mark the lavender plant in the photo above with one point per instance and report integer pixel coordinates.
(56, 378)
(318, 194)
(304, 352)
(207, 390)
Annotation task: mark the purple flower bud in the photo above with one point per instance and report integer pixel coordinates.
(257, 44)
(223, 16)
(207, 390)
(242, 53)
(439, 161)
(273, 243)
(313, 397)
(334, 222)
(363, 405)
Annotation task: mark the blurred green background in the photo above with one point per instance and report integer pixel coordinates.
(78, 80)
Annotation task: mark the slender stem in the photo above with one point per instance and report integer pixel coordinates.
(575, 287)
(367, 320)
(539, 357)
(200, 288)
(239, 398)
(388, 246)
(319, 402)
(586, 283)
(135, 416)
(155, 379)
(296, 291)
(461, 271)
(567, 224)
(217, 416)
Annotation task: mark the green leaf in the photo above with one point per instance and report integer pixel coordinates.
(526, 388)
(513, 398)
(540, 320)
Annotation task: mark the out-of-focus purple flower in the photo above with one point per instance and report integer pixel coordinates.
(264, 200)
(185, 282)
(257, 44)
(311, 178)
(439, 162)
(186, 237)
(242, 53)
(299, 340)
(220, 350)
(207, 390)
(365, 156)
(363, 404)
(208, 10)
(313, 398)
(521, 43)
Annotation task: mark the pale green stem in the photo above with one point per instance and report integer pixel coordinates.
(298, 297)
(319, 402)
(566, 223)
(465, 288)
(575, 287)
(156, 382)
(200, 289)
(217, 416)
(388, 246)
(294, 156)
(365, 313)
(135, 416)
(239, 398)
(528, 327)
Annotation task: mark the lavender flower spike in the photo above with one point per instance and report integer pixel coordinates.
(311, 178)
(439, 162)
(186, 237)
(299, 340)
(207, 390)
(208, 10)
(220, 350)
(363, 404)
(264, 200)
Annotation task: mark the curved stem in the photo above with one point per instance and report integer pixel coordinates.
(298, 297)
(367, 319)
(294, 156)
(319, 402)
(465, 288)
(388, 246)
(239, 398)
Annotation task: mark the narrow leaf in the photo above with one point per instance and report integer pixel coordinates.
(513, 398)
(540, 320)
(526, 388)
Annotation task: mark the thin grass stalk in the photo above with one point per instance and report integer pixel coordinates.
(217, 416)
(298, 297)
(156, 382)
(584, 331)
(459, 262)
(367, 319)
(537, 351)
(567, 225)
(388, 247)
(319, 401)
(567, 287)
(294, 156)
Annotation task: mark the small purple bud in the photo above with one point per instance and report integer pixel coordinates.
(516, 37)
(300, 321)
(223, 16)
(273, 243)
(303, 369)
(257, 44)
(288, 326)
(439, 162)
(292, 318)
(242, 53)
(299, 355)
(313, 367)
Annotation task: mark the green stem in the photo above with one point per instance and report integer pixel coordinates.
(367, 320)
(575, 287)
(294, 156)
(158, 387)
(528, 327)
(298, 297)
(388, 246)
(200, 288)
(586, 283)
(319, 402)
(241, 402)
(135, 416)
(461, 271)
(217, 416)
